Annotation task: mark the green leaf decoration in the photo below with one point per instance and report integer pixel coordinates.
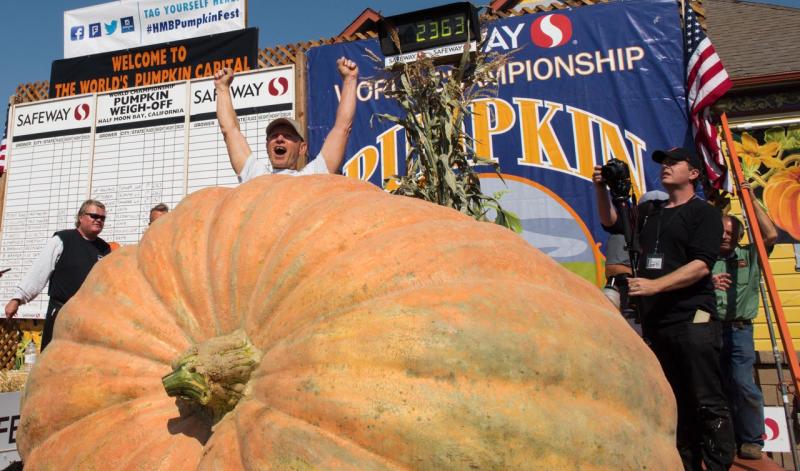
(776, 134)
(435, 101)
(792, 138)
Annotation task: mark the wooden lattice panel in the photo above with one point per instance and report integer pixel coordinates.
(9, 341)
(31, 91)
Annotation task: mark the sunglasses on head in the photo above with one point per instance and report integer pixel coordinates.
(96, 216)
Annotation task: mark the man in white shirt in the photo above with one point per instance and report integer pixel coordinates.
(286, 145)
(65, 261)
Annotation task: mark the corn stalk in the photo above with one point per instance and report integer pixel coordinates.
(441, 156)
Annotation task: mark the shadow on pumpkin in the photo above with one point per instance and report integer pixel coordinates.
(193, 421)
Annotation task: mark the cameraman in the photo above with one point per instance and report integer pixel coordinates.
(680, 241)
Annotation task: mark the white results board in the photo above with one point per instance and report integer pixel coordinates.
(129, 149)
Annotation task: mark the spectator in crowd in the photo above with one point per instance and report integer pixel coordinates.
(680, 243)
(736, 277)
(65, 262)
(286, 145)
(157, 211)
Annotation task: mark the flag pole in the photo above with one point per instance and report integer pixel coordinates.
(769, 280)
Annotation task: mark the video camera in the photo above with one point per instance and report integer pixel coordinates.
(618, 178)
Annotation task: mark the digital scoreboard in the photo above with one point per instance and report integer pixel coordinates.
(438, 32)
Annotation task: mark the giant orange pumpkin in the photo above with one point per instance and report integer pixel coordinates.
(782, 197)
(318, 322)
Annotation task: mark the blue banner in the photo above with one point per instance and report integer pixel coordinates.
(582, 85)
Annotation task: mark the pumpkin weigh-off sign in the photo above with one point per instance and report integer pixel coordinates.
(450, 344)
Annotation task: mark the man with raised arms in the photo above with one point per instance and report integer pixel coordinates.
(286, 144)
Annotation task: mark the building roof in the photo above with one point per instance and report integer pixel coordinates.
(366, 21)
(758, 43)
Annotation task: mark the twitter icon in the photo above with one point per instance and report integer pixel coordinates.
(110, 27)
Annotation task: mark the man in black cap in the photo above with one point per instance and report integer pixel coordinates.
(680, 241)
(286, 144)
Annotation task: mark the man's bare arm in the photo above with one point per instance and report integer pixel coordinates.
(608, 214)
(336, 141)
(682, 277)
(238, 148)
(769, 232)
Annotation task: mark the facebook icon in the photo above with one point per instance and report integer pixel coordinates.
(94, 30)
(76, 33)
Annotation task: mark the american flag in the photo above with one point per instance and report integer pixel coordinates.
(3, 150)
(706, 82)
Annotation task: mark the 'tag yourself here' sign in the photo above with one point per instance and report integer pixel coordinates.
(125, 25)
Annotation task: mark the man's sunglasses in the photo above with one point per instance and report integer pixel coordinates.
(96, 216)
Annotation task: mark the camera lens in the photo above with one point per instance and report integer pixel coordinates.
(612, 293)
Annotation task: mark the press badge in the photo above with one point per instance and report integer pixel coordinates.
(654, 261)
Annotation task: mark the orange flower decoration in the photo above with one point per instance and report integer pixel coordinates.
(754, 155)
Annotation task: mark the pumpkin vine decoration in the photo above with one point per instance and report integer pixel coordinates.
(770, 162)
(441, 155)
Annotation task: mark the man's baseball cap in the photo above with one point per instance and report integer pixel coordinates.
(678, 154)
(288, 122)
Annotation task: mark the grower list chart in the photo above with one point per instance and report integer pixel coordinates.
(130, 149)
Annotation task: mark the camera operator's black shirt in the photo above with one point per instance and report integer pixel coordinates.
(691, 231)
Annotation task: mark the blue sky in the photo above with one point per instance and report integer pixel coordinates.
(31, 35)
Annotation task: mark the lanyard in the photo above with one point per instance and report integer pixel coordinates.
(658, 222)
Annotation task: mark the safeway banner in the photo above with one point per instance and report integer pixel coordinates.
(151, 65)
(124, 25)
(582, 86)
(54, 118)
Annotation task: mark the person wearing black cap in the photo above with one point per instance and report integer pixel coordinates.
(680, 241)
(286, 144)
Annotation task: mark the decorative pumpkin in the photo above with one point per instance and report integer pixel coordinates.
(320, 323)
(782, 197)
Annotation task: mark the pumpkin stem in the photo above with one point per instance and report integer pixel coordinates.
(214, 374)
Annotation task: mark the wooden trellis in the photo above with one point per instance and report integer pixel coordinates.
(31, 91)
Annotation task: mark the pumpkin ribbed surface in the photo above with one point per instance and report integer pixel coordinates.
(391, 334)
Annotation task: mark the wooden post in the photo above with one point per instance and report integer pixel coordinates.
(300, 108)
(763, 258)
(4, 176)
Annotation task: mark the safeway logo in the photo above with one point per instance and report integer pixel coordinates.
(82, 111)
(551, 30)
(771, 428)
(278, 86)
